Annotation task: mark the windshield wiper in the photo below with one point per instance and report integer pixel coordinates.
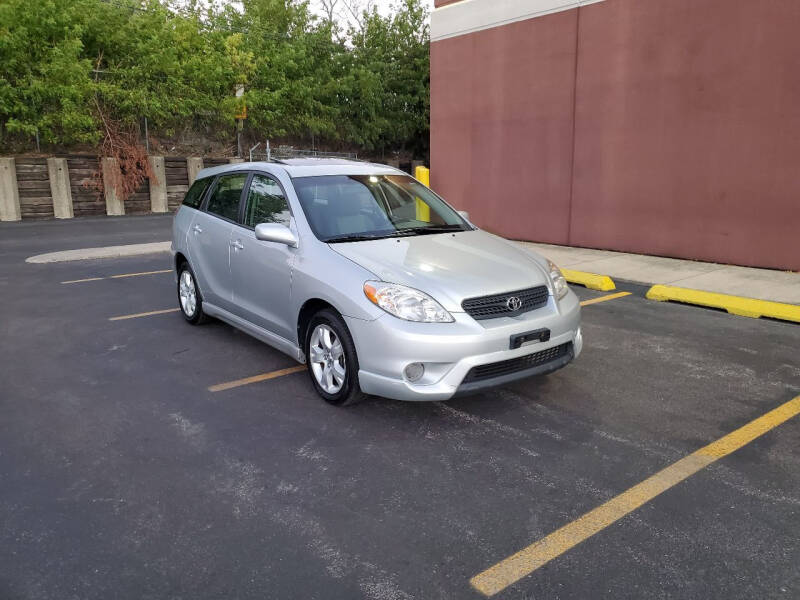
(433, 229)
(360, 237)
(353, 237)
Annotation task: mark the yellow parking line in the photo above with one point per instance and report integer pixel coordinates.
(118, 276)
(144, 314)
(604, 298)
(82, 280)
(142, 273)
(526, 561)
(255, 379)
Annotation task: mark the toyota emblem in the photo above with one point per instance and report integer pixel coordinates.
(513, 303)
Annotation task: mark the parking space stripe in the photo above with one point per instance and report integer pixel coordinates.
(256, 378)
(140, 274)
(604, 298)
(144, 314)
(83, 280)
(526, 561)
(120, 276)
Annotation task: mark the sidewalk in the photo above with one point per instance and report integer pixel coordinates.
(761, 284)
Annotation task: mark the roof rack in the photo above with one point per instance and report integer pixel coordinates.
(285, 152)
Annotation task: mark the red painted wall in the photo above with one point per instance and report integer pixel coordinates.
(501, 146)
(684, 116)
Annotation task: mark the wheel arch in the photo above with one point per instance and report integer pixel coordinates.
(180, 258)
(310, 307)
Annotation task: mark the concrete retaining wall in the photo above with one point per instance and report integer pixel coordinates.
(63, 187)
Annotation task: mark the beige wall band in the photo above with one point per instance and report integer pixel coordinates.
(469, 16)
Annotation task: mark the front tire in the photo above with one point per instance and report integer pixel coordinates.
(189, 300)
(331, 359)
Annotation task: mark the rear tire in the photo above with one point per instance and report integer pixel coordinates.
(331, 359)
(189, 300)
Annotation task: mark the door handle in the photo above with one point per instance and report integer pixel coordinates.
(237, 245)
(197, 229)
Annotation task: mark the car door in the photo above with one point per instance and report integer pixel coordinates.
(210, 238)
(261, 272)
(184, 217)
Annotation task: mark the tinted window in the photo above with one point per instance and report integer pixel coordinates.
(224, 200)
(265, 203)
(195, 194)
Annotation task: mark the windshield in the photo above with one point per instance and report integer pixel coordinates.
(347, 208)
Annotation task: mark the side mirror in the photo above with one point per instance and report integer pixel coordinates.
(275, 232)
(464, 214)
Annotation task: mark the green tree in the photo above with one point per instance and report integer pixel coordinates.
(44, 76)
(69, 67)
(388, 81)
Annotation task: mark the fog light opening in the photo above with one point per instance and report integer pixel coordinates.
(414, 371)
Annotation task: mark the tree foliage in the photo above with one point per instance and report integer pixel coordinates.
(66, 65)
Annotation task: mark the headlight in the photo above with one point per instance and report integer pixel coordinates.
(406, 303)
(559, 283)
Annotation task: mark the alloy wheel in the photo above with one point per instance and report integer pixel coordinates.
(326, 356)
(188, 294)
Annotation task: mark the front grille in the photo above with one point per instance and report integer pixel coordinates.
(489, 307)
(521, 363)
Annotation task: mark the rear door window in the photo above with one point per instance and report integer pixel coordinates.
(195, 194)
(224, 199)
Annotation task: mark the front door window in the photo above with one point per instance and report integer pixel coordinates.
(266, 203)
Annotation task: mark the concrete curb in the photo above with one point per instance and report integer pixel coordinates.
(593, 281)
(105, 252)
(735, 305)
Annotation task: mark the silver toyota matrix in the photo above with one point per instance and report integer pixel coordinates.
(371, 279)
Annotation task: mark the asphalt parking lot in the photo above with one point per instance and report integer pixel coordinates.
(122, 475)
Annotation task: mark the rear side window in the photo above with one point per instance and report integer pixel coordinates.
(265, 203)
(195, 194)
(224, 200)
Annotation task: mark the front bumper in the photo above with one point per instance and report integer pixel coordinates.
(387, 345)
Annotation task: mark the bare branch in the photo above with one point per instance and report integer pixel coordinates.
(356, 10)
(329, 6)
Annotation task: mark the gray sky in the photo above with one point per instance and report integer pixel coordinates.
(384, 7)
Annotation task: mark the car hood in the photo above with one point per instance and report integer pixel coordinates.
(449, 266)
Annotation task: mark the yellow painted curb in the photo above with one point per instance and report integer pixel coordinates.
(735, 305)
(604, 283)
